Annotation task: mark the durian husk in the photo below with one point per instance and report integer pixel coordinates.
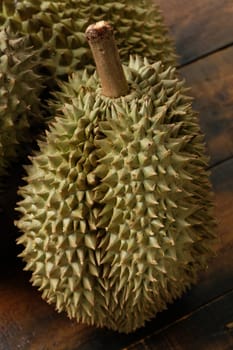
(20, 105)
(56, 29)
(116, 215)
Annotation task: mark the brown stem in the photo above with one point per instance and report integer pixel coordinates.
(101, 40)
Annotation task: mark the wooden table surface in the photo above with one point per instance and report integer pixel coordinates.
(203, 318)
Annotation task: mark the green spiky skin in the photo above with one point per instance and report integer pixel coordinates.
(116, 214)
(20, 87)
(56, 28)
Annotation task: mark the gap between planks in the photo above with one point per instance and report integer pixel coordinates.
(179, 320)
(205, 55)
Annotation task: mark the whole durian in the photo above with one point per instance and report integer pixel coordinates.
(20, 106)
(116, 213)
(56, 29)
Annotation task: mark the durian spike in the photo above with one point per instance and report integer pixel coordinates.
(103, 46)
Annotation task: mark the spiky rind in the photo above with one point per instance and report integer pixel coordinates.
(117, 213)
(56, 29)
(20, 86)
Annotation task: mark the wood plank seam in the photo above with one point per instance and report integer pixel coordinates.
(201, 57)
(215, 165)
(214, 300)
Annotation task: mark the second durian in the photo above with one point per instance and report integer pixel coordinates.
(56, 29)
(20, 105)
(55, 32)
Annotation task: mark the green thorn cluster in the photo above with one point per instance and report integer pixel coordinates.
(116, 214)
(20, 87)
(57, 29)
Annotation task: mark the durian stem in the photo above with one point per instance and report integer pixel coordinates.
(103, 46)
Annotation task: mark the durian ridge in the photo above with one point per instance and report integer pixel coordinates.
(116, 215)
(20, 105)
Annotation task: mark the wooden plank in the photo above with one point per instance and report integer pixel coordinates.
(208, 328)
(211, 82)
(198, 27)
(28, 323)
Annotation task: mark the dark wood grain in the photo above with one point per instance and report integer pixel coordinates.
(205, 329)
(198, 27)
(211, 82)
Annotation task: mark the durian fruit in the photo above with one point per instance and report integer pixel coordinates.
(20, 106)
(116, 213)
(56, 29)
